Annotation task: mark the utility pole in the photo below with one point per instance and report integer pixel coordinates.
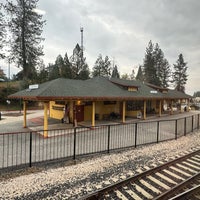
(81, 29)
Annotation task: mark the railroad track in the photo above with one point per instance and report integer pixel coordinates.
(163, 182)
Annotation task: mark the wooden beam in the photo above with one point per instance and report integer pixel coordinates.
(25, 117)
(93, 113)
(160, 108)
(45, 119)
(123, 111)
(171, 109)
(144, 111)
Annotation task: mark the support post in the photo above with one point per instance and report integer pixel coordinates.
(45, 119)
(93, 113)
(144, 111)
(188, 105)
(24, 110)
(160, 108)
(171, 109)
(123, 112)
(71, 111)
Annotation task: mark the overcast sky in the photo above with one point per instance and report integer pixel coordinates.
(122, 29)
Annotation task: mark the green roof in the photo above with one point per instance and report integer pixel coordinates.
(98, 88)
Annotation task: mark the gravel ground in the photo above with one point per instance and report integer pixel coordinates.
(73, 181)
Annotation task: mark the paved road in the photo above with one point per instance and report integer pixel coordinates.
(15, 123)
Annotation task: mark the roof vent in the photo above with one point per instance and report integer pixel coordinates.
(153, 92)
(33, 87)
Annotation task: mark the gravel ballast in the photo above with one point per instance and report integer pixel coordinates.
(74, 181)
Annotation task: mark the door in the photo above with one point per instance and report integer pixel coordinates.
(79, 113)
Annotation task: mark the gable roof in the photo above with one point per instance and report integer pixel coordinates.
(157, 87)
(98, 88)
(174, 94)
(126, 83)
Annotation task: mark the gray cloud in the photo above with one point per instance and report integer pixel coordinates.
(122, 29)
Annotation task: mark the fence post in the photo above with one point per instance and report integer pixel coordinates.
(185, 127)
(192, 122)
(136, 125)
(176, 128)
(30, 152)
(108, 150)
(158, 129)
(74, 157)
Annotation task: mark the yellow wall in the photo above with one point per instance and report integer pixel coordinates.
(132, 113)
(100, 109)
(153, 105)
(54, 113)
(132, 89)
(88, 113)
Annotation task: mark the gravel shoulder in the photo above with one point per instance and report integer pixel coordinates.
(73, 181)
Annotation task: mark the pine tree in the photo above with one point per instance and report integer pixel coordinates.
(59, 63)
(125, 76)
(98, 67)
(132, 75)
(26, 28)
(140, 75)
(2, 33)
(165, 74)
(162, 67)
(102, 67)
(66, 70)
(53, 71)
(156, 69)
(107, 67)
(150, 74)
(80, 69)
(2, 74)
(85, 72)
(158, 57)
(43, 74)
(180, 74)
(115, 72)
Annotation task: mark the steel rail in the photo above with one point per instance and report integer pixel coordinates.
(188, 182)
(99, 193)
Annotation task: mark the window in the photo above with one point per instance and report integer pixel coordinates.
(109, 102)
(134, 105)
(60, 102)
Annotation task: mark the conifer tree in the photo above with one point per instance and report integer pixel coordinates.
(26, 27)
(156, 69)
(115, 72)
(53, 71)
(102, 67)
(2, 32)
(140, 75)
(165, 74)
(66, 70)
(80, 69)
(2, 74)
(180, 74)
(150, 73)
(162, 66)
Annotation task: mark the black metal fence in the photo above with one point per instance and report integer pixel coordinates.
(28, 148)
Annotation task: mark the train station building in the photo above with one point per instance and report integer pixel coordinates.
(99, 98)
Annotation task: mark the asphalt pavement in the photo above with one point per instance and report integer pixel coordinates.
(12, 121)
